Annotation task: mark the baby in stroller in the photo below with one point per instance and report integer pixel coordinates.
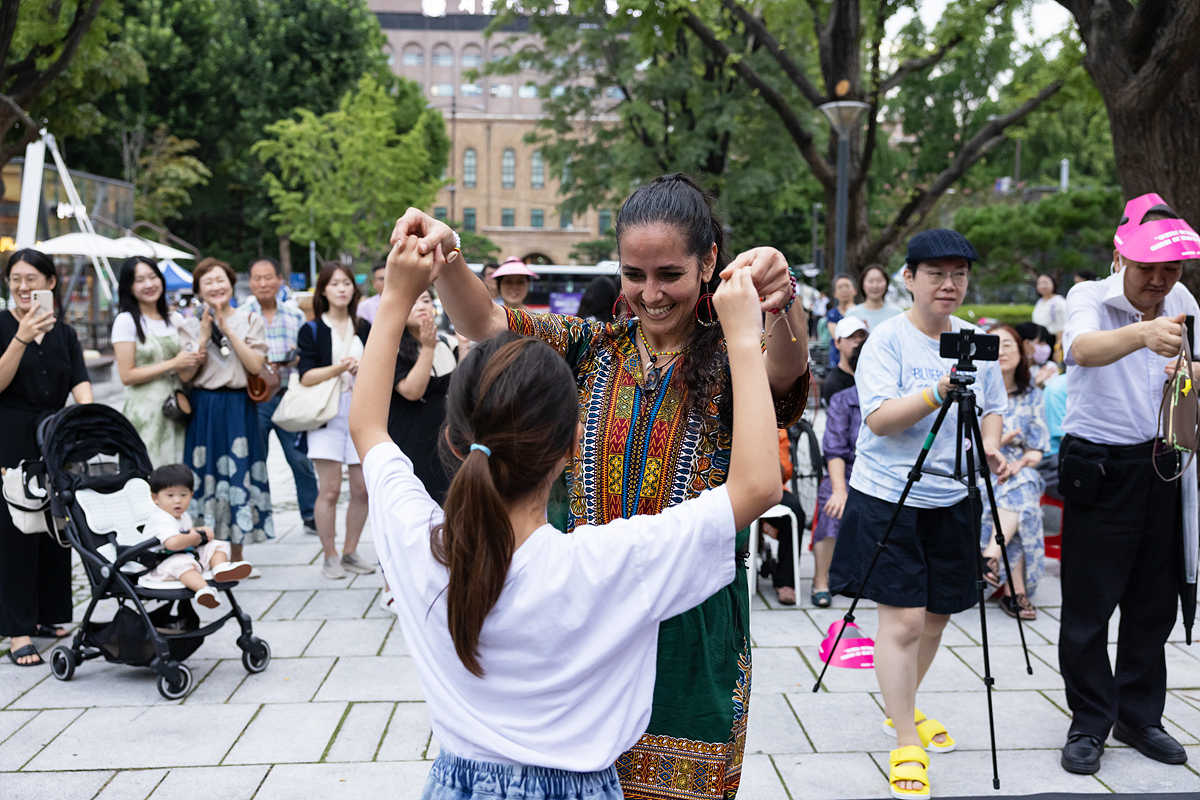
(171, 488)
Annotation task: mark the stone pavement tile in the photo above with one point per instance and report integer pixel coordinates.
(377, 611)
(396, 644)
(396, 781)
(1123, 769)
(361, 732)
(287, 733)
(836, 722)
(218, 684)
(824, 776)
(47, 785)
(350, 637)
(774, 727)
(252, 600)
(288, 605)
(1008, 666)
(17, 750)
(225, 783)
(1024, 719)
(159, 736)
(1177, 631)
(1189, 696)
(372, 678)
(99, 683)
(338, 604)
(1002, 629)
(278, 554)
(760, 780)
(16, 681)
(783, 629)
(969, 774)
(1185, 718)
(1183, 671)
(10, 721)
(778, 669)
(287, 638)
(1046, 624)
(1059, 697)
(408, 734)
(372, 581)
(301, 576)
(132, 784)
(1048, 654)
(286, 680)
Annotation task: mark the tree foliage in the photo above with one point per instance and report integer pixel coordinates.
(595, 250)
(165, 177)
(342, 178)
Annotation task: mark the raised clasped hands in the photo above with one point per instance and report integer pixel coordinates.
(769, 271)
(738, 307)
(432, 233)
(409, 271)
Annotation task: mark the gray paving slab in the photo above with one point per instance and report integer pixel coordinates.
(784, 629)
(778, 669)
(19, 749)
(773, 726)
(16, 681)
(40, 786)
(224, 783)
(159, 736)
(395, 645)
(969, 774)
(338, 604)
(96, 683)
(277, 554)
(345, 781)
(350, 637)
(1126, 770)
(1024, 719)
(287, 680)
(301, 576)
(289, 604)
(836, 722)
(10, 721)
(361, 732)
(287, 638)
(287, 732)
(831, 775)
(760, 780)
(218, 683)
(372, 678)
(1008, 666)
(132, 784)
(408, 734)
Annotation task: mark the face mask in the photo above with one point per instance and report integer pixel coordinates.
(1041, 353)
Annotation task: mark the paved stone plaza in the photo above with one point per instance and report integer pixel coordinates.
(339, 714)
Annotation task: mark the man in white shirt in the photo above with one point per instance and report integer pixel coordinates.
(1123, 522)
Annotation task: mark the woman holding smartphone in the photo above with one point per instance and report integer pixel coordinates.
(41, 363)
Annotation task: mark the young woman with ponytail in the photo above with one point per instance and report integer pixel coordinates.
(653, 394)
(536, 650)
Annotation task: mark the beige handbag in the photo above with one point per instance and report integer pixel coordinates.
(306, 408)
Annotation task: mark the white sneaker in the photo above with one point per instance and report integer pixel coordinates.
(387, 602)
(353, 562)
(255, 572)
(232, 571)
(332, 568)
(208, 597)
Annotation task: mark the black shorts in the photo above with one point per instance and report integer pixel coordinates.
(931, 560)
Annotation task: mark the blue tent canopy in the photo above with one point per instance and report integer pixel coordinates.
(177, 277)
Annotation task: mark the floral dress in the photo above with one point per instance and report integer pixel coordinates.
(1022, 493)
(640, 452)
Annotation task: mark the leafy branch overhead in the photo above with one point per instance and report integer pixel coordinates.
(342, 178)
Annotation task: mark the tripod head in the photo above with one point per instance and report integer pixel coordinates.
(967, 345)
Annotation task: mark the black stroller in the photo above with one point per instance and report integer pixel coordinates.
(96, 471)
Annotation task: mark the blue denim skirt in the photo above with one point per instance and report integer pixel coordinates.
(454, 778)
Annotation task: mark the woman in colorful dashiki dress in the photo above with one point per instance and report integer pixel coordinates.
(654, 405)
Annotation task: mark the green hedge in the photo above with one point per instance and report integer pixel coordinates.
(1010, 314)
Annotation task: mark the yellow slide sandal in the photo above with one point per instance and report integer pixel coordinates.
(908, 763)
(927, 729)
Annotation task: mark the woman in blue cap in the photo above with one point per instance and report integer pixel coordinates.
(928, 570)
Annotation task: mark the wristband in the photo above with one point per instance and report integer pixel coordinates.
(937, 398)
(927, 396)
(19, 339)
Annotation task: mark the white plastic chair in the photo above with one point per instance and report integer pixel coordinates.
(752, 561)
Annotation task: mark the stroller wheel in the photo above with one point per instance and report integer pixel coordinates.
(177, 688)
(62, 662)
(256, 656)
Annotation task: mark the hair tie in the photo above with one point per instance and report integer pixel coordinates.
(487, 451)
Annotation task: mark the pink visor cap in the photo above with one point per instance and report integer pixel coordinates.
(514, 266)
(1157, 240)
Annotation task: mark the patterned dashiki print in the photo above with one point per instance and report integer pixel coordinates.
(641, 452)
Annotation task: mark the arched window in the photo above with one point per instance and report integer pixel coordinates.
(508, 168)
(538, 168)
(470, 167)
(472, 56)
(414, 55)
(443, 56)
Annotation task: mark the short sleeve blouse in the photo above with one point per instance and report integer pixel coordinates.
(225, 372)
(124, 329)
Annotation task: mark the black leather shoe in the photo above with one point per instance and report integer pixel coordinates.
(1081, 754)
(1152, 742)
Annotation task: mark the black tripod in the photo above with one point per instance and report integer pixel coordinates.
(961, 397)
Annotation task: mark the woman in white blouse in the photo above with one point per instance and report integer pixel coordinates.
(1050, 311)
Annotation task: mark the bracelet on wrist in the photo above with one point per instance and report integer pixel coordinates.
(19, 339)
(927, 396)
(937, 398)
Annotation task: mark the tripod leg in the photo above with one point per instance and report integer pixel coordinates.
(914, 475)
(977, 437)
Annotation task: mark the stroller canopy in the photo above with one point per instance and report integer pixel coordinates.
(78, 434)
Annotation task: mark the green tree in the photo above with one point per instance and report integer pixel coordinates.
(56, 58)
(342, 178)
(166, 174)
(595, 250)
(476, 247)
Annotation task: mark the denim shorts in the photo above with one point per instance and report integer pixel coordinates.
(454, 778)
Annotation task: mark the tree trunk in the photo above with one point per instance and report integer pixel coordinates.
(285, 256)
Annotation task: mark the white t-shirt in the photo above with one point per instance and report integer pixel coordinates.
(162, 526)
(898, 360)
(569, 649)
(124, 329)
(1051, 313)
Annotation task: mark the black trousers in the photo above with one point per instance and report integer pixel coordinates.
(1121, 549)
(35, 580)
(787, 540)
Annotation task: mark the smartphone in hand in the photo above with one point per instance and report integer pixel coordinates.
(44, 300)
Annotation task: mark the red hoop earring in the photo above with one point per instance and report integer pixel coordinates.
(706, 313)
(628, 311)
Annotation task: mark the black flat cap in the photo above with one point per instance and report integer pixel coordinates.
(939, 243)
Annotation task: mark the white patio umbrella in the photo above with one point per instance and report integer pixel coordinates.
(144, 247)
(82, 244)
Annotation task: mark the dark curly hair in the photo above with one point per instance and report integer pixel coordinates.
(679, 201)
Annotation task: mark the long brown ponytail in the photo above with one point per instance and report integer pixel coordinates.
(516, 398)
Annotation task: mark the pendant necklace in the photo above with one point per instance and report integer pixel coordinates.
(654, 374)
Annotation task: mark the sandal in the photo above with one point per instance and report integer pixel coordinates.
(1021, 607)
(927, 729)
(821, 599)
(991, 571)
(908, 763)
(25, 652)
(786, 596)
(48, 632)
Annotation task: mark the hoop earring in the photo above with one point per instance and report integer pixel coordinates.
(618, 316)
(706, 313)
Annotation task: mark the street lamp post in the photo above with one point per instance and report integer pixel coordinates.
(843, 116)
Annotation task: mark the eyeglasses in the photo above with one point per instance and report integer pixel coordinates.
(938, 276)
